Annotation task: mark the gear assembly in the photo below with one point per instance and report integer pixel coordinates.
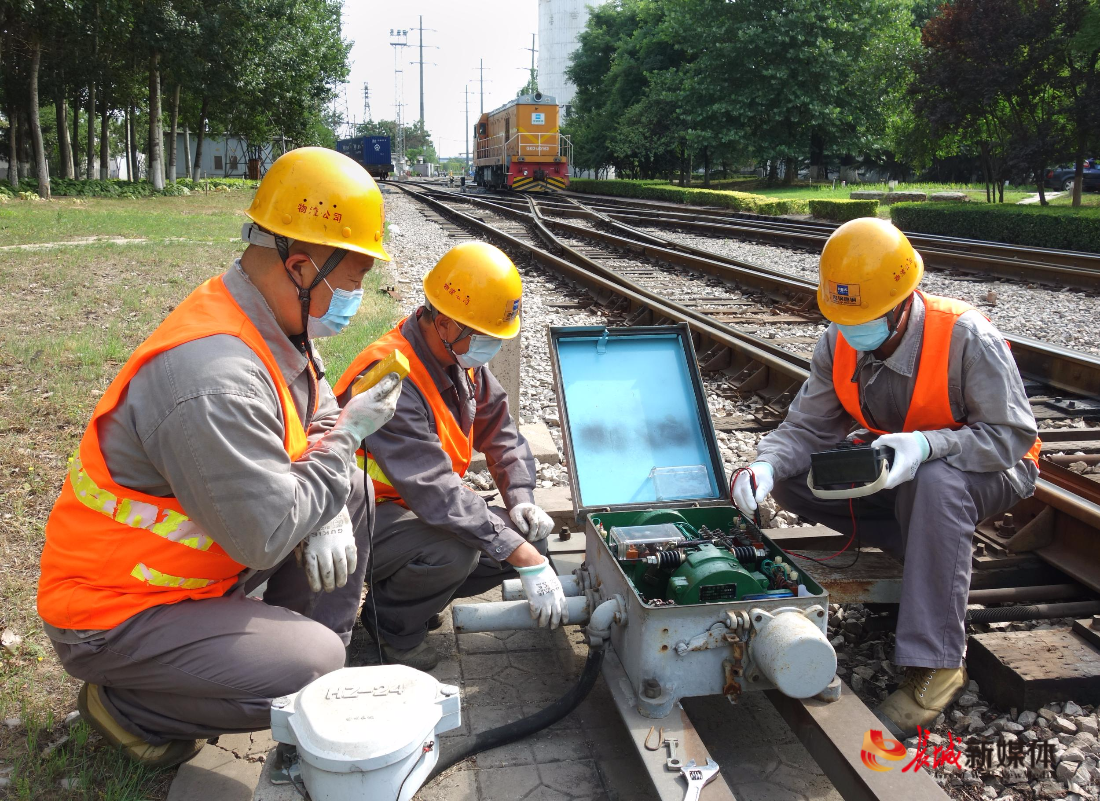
(689, 594)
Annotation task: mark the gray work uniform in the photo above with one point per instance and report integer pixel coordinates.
(973, 472)
(202, 422)
(448, 543)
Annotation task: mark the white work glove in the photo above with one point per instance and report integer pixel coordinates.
(531, 521)
(369, 411)
(743, 496)
(910, 449)
(544, 594)
(329, 553)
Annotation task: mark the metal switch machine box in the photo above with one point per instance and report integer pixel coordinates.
(711, 606)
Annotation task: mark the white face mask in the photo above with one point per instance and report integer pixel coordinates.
(482, 349)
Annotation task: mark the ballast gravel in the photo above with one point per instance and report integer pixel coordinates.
(1064, 317)
(863, 648)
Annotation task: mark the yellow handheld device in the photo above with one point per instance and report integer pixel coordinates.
(394, 363)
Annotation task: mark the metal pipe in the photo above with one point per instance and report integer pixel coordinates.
(1005, 614)
(1044, 592)
(512, 615)
(512, 589)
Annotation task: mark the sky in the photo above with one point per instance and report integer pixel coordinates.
(457, 33)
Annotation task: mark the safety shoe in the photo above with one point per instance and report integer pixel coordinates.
(435, 621)
(421, 657)
(920, 698)
(95, 714)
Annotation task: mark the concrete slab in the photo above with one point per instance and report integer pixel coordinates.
(505, 366)
(227, 774)
(558, 503)
(538, 437)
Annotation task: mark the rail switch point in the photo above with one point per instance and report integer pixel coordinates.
(394, 363)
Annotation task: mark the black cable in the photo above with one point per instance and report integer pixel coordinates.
(426, 749)
(467, 747)
(370, 557)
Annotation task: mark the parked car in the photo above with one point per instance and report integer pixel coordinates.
(1062, 177)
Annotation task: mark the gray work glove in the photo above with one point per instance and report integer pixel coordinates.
(544, 593)
(329, 554)
(367, 412)
(532, 522)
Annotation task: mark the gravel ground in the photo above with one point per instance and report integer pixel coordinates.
(417, 244)
(1063, 317)
(1070, 729)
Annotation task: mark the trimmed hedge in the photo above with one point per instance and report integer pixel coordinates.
(1058, 227)
(67, 187)
(843, 210)
(738, 201)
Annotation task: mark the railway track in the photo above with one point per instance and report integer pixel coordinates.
(1057, 529)
(1061, 383)
(1034, 265)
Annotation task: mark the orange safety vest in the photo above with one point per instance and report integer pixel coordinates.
(112, 552)
(454, 441)
(930, 406)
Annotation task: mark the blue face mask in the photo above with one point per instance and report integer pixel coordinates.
(482, 349)
(341, 309)
(866, 337)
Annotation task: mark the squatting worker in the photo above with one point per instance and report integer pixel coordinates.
(436, 539)
(219, 449)
(935, 380)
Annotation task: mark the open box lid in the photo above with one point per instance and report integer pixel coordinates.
(635, 424)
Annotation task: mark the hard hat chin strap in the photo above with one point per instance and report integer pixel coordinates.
(282, 245)
(465, 332)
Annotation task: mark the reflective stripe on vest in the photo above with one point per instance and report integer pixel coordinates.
(930, 406)
(112, 552)
(455, 443)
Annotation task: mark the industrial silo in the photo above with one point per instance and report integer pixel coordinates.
(560, 23)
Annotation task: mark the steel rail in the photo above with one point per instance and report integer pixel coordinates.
(1061, 267)
(826, 729)
(1064, 370)
(834, 738)
(605, 283)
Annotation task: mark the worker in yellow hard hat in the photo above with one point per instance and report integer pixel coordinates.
(435, 539)
(932, 383)
(217, 451)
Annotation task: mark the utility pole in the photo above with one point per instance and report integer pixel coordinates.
(482, 70)
(366, 103)
(421, 72)
(533, 51)
(400, 39)
(467, 129)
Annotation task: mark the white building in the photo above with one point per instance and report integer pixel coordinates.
(560, 26)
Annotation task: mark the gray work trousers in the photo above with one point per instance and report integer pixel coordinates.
(419, 569)
(927, 524)
(197, 669)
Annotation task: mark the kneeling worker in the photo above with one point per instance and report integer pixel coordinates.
(936, 381)
(435, 539)
(218, 450)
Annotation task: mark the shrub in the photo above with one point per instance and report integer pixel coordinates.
(737, 201)
(1058, 227)
(843, 210)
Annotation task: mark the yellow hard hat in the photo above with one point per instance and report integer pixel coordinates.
(477, 286)
(317, 195)
(867, 268)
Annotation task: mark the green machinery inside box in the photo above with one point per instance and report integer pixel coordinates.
(698, 556)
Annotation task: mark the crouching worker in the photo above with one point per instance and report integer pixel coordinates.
(217, 451)
(936, 382)
(435, 539)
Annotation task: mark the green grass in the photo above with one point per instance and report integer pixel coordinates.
(826, 191)
(1088, 199)
(214, 216)
(72, 316)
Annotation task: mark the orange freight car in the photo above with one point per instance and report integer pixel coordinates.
(519, 146)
